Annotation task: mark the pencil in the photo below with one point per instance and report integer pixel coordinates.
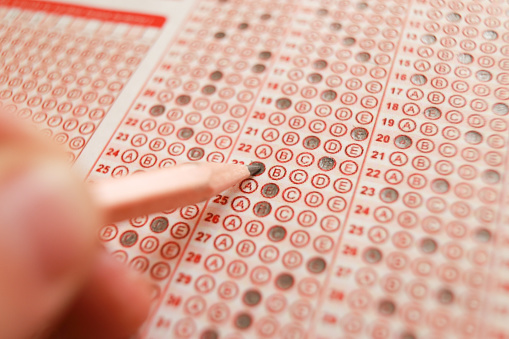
(166, 189)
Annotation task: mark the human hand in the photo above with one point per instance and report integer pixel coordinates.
(56, 280)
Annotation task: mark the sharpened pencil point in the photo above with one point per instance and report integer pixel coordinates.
(255, 168)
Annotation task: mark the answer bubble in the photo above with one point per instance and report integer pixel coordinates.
(432, 113)
(129, 238)
(209, 334)
(283, 103)
(440, 186)
(386, 307)
(428, 245)
(284, 281)
(316, 265)
(326, 163)
(490, 176)
(359, 134)
(252, 297)
(243, 321)
(483, 235)
(216, 75)
(403, 142)
(277, 233)
(270, 190)
(157, 110)
(473, 137)
(314, 78)
(319, 64)
(389, 195)
(311, 142)
(372, 255)
(185, 133)
(159, 224)
(445, 296)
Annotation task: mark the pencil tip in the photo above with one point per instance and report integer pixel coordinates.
(255, 168)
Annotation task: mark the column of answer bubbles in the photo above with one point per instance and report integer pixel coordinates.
(192, 109)
(309, 127)
(423, 218)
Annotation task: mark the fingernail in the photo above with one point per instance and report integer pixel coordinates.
(45, 210)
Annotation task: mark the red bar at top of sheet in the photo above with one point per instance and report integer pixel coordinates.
(87, 12)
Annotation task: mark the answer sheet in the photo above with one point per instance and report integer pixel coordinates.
(382, 211)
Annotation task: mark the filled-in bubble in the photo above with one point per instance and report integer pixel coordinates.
(428, 245)
(195, 153)
(482, 235)
(283, 103)
(243, 320)
(418, 79)
(270, 190)
(209, 334)
(216, 75)
(473, 137)
(483, 75)
(465, 58)
(129, 238)
(262, 208)
(316, 265)
(314, 78)
(326, 163)
(260, 166)
(386, 307)
(335, 26)
(208, 89)
(183, 100)
(159, 224)
(265, 16)
(243, 26)
(432, 113)
(157, 110)
(403, 141)
(362, 5)
(359, 134)
(440, 186)
(259, 68)
(500, 108)
(389, 195)
(372, 255)
(348, 41)
(428, 39)
(252, 297)
(284, 281)
(185, 133)
(329, 95)
(311, 142)
(362, 57)
(276, 233)
(490, 35)
(490, 176)
(319, 64)
(265, 55)
(322, 12)
(219, 35)
(453, 17)
(445, 296)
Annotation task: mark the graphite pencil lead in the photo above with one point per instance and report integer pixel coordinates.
(255, 168)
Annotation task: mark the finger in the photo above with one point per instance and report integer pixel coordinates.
(47, 244)
(113, 303)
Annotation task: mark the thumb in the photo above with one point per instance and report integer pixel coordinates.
(46, 246)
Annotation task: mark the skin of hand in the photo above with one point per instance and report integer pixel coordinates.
(56, 280)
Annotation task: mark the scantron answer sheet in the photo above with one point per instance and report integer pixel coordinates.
(382, 125)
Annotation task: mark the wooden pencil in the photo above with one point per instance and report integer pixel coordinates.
(165, 189)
